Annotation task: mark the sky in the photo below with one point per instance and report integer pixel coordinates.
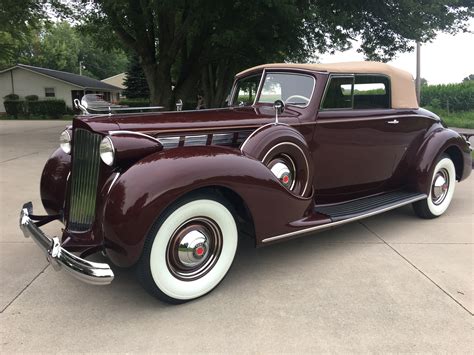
(447, 59)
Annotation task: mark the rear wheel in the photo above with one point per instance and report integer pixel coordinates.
(189, 250)
(441, 190)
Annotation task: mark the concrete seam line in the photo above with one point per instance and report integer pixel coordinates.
(23, 290)
(21, 156)
(421, 272)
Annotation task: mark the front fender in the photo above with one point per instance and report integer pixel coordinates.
(145, 190)
(438, 142)
(53, 183)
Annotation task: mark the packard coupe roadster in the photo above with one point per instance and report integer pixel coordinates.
(300, 148)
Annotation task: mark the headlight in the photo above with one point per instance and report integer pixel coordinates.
(65, 141)
(107, 151)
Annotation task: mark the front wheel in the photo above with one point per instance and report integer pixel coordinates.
(189, 250)
(441, 191)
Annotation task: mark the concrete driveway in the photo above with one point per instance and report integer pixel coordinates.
(391, 283)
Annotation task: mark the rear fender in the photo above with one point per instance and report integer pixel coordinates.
(430, 152)
(145, 190)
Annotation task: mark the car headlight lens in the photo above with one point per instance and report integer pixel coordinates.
(107, 151)
(65, 141)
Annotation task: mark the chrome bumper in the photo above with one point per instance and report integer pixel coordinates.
(60, 258)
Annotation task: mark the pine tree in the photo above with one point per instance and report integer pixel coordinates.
(135, 81)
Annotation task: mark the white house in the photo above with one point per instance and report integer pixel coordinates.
(25, 80)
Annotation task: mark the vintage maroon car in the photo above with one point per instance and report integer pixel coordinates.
(300, 148)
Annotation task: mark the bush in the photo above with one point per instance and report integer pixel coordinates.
(14, 107)
(53, 108)
(31, 98)
(12, 97)
(452, 97)
(135, 102)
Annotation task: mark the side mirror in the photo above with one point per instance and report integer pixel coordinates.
(279, 107)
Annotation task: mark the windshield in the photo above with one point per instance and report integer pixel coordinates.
(246, 90)
(292, 89)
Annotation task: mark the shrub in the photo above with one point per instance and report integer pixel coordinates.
(12, 97)
(53, 107)
(135, 102)
(14, 107)
(31, 98)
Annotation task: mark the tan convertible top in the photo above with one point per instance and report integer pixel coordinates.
(403, 85)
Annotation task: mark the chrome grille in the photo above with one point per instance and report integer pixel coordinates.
(84, 179)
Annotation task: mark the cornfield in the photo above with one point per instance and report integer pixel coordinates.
(450, 97)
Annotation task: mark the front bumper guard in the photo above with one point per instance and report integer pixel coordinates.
(87, 271)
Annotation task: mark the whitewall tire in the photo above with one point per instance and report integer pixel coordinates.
(189, 250)
(443, 184)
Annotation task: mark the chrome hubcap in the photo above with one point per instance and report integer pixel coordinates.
(284, 169)
(440, 187)
(194, 249)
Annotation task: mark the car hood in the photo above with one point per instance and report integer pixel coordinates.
(165, 123)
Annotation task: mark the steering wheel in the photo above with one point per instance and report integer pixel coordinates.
(288, 100)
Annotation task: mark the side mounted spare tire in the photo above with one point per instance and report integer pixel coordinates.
(284, 151)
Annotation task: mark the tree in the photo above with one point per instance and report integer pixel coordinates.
(19, 18)
(423, 82)
(201, 44)
(135, 81)
(60, 46)
(468, 78)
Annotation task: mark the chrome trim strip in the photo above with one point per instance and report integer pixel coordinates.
(82, 269)
(329, 225)
(113, 182)
(260, 85)
(356, 119)
(306, 161)
(115, 133)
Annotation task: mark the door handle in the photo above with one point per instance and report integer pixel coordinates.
(393, 122)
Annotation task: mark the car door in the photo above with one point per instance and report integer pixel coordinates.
(356, 147)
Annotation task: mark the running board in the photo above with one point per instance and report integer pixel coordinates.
(354, 210)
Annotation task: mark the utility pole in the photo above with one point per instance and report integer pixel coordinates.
(80, 67)
(418, 77)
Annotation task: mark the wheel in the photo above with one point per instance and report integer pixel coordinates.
(441, 191)
(288, 162)
(189, 249)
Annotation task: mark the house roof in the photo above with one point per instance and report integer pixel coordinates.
(402, 83)
(78, 80)
(116, 80)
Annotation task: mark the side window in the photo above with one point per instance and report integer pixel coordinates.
(371, 91)
(357, 92)
(246, 90)
(339, 93)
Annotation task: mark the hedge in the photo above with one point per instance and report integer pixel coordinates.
(135, 102)
(54, 108)
(51, 108)
(450, 97)
(14, 107)
(32, 98)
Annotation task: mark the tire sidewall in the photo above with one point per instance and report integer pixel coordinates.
(447, 164)
(161, 275)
